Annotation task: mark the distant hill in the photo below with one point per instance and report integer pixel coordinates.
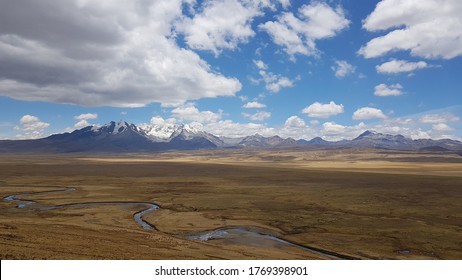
(122, 137)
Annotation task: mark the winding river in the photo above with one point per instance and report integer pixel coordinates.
(234, 235)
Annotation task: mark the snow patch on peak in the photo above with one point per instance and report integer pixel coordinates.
(165, 131)
(194, 127)
(120, 127)
(159, 132)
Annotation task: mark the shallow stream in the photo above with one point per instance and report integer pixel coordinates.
(232, 235)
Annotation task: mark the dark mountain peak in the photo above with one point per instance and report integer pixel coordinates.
(255, 140)
(116, 127)
(366, 134)
(274, 140)
(317, 141)
(288, 142)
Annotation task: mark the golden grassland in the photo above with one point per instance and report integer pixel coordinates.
(369, 204)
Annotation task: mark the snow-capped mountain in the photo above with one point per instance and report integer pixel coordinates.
(114, 136)
(159, 133)
(189, 137)
(126, 137)
(180, 134)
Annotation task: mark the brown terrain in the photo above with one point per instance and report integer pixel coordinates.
(365, 204)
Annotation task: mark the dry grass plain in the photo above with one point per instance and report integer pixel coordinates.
(368, 204)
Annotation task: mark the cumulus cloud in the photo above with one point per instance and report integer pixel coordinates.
(189, 112)
(81, 124)
(331, 128)
(83, 120)
(260, 64)
(295, 121)
(442, 127)
(296, 127)
(158, 120)
(88, 116)
(297, 34)
(273, 82)
(254, 104)
(391, 90)
(426, 28)
(400, 66)
(101, 53)
(259, 116)
(368, 113)
(31, 127)
(29, 123)
(208, 31)
(232, 129)
(323, 111)
(343, 68)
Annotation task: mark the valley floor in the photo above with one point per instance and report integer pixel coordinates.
(367, 204)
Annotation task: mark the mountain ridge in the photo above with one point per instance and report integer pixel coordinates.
(126, 137)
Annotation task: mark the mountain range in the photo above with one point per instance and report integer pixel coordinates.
(126, 137)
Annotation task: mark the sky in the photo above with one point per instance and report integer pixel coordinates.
(233, 68)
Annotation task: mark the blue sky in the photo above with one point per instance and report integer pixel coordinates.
(298, 69)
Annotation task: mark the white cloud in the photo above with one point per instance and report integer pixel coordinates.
(285, 3)
(83, 120)
(439, 118)
(295, 122)
(400, 66)
(103, 53)
(81, 124)
(88, 116)
(231, 129)
(243, 98)
(31, 126)
(275, 83)
(331, 128)
(314, 122)
(29, 122)
(384, 90)
(442, 127)
(259, 116)
(158, 120)
(296, 127)
(343, 68)
(260, 64)
(298, 34)
(254, 104)
(426, 28)
(282, 82)
(368, 113)
(318, 110)
(189, 112)
(208, 30)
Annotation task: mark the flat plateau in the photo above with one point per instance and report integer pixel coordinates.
(363, 203)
